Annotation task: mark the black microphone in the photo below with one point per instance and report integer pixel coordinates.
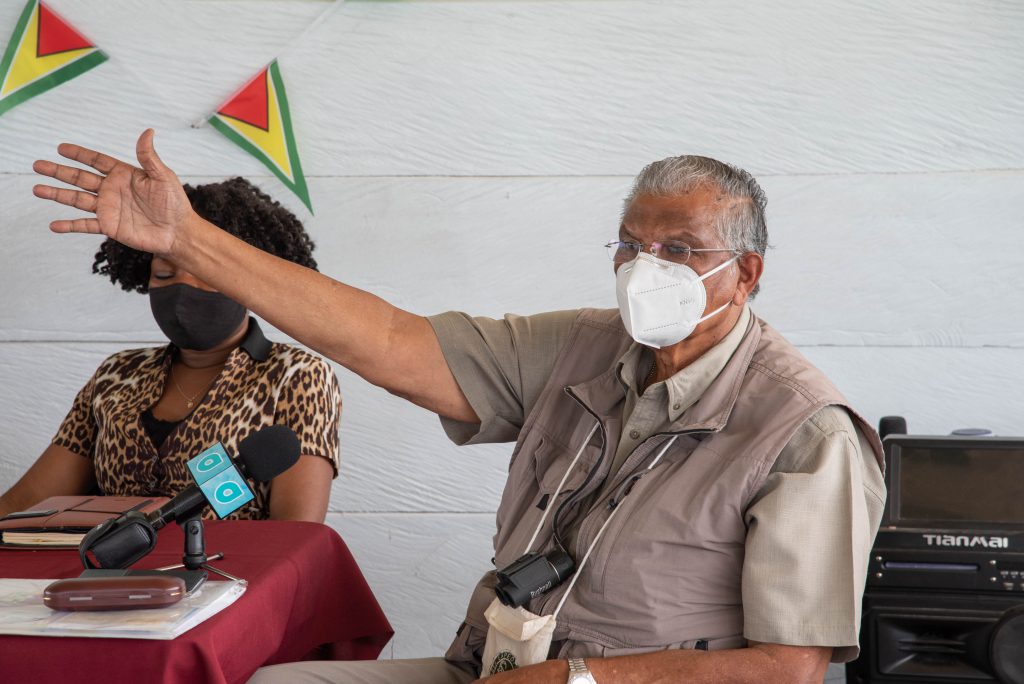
(262, 456)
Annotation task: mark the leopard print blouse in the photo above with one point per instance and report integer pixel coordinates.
(262, 384)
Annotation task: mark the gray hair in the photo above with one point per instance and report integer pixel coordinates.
(741, 225)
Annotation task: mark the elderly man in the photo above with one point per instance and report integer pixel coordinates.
(689, 499)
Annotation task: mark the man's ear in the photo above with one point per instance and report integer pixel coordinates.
(751, 266)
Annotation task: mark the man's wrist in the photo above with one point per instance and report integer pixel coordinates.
(579, 673)
(186, 235)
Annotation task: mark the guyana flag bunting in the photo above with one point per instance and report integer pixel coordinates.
(256, 118)
(44, 52)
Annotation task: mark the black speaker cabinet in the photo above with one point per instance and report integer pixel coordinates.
(934, 637)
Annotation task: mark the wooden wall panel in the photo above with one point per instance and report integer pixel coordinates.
(906, 260)
(560, 87)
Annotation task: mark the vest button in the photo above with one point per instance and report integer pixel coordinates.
(634, 434)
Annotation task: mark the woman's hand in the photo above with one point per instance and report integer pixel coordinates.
(144, 208)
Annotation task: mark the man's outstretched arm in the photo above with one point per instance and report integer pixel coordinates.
(147, 209)
(758, 664)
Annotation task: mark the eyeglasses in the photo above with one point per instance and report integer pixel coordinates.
(621, 251)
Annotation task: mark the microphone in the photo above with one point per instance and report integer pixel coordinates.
(220, 483)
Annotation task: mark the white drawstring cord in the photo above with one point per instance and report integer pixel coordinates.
(593, 544)
(558, 489)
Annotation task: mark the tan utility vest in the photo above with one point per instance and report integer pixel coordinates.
(666, 573)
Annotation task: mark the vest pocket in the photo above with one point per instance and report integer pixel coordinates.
(551, 461)
(531, 492)
(468, 646)
(679, 531)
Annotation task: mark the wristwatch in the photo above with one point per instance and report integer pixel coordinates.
(578, 672)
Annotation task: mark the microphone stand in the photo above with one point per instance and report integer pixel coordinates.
(195, 557)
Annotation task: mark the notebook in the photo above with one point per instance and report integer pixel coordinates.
(64, 520)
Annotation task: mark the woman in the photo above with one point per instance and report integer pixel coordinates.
(146, 412)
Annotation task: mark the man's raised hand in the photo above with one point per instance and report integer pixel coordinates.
(143, 208)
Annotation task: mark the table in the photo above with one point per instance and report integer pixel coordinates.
(306, 598)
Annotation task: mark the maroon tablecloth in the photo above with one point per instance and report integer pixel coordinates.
(305, 591)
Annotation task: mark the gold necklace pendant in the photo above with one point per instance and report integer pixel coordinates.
(191, 400)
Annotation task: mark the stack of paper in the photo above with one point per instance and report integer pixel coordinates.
(22, 612)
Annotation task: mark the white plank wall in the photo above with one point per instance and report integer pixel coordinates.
(473, 155)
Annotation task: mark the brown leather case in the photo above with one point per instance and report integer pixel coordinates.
(114, 593)
(74, 515)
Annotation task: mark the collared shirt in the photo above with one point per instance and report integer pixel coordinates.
(811, 525)
(653, 410)
(664, 402)
(262, 383)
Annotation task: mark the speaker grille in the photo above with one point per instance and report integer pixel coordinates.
(922, 645)
(1007, 648)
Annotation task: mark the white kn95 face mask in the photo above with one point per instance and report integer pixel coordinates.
(661, 302)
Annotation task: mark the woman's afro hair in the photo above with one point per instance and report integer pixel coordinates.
(236, 206)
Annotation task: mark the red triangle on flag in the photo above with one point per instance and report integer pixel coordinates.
(250, 104)
(55, 35)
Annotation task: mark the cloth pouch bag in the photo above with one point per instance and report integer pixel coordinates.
(515, 638)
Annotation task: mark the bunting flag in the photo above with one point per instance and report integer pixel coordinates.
(44, 52)
(256, 118)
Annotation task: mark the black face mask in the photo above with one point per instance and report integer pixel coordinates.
(193, 318)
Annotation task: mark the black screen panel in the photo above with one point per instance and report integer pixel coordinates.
(960, 483)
